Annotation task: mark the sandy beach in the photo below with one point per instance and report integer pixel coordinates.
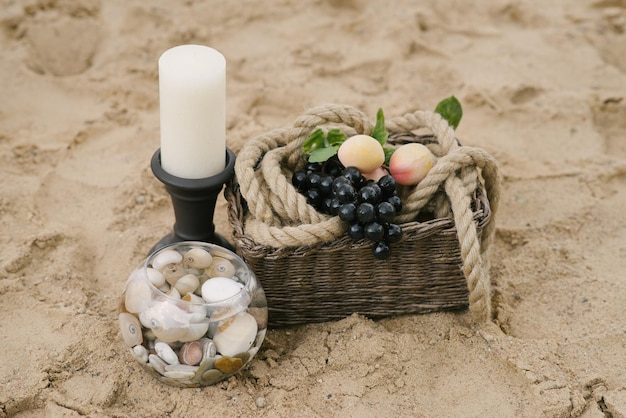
(543, 88)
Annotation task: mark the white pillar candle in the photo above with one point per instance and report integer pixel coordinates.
(192, 90)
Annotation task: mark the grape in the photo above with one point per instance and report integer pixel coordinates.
(313, 180)
(333, 167)
(396, 202)
(347, 212)
(374, 231)
(339, 182)
(381, 250)
(354, 175)
(326, 184)
(393, 233)
(299, 179)
(370, 194)
(346, 193)
(387, 185)
(335, 204)
(385, 212)
(355, 231)
(365, 213)
(313, 168)
(313, 196)
(326, 205)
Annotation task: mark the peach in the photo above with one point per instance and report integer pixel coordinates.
(376, 174)
(362, 152)
(410, 163)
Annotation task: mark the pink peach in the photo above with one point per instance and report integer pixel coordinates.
(410, 163)
(376, 174)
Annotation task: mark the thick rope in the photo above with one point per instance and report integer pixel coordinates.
(279, 216)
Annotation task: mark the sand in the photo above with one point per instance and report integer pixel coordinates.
(543, 87)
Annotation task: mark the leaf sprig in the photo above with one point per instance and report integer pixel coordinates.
(321, 146)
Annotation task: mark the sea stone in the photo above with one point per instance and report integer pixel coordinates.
(166, 353)
(190, 353)
(245, 356)
(212, 376)
(205, 365)
(260, 315)
(157, 363)
(228, 364)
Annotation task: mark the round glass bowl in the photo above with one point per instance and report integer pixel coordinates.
(193, 314)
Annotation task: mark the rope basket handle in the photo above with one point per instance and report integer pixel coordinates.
(280, 216)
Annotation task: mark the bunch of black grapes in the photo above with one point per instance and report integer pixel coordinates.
(367, 206)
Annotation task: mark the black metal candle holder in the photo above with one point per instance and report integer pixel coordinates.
(194, 203)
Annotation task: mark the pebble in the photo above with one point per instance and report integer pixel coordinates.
(212, 376)
(141, 353)
(245, 356)
(260, 402)
(180, 368)
(228, 365)
(157, 363)
(180, 371)
(166, 353)
(208, 348)
(191, 353)
(260, 315)
(204, 366)
(177, 374)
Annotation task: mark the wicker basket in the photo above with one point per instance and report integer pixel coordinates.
(328, 280)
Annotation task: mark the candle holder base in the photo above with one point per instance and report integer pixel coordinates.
(193, 201)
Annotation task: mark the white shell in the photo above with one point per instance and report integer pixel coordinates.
(196, 307)
(131, 329)
(198, 258)
(218, 289)
(171, 323)
(187, 284)
(236, 334)
(155, 277)
(173, 272)
(166, 257)
(138, 295)
(221, 267)
(166, 320)
(195, 332)
(166, 353)
(173, 293)
(193, 299)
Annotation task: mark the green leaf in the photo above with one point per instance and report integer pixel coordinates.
(379, 132)
(450, 109)
(322, 154)
(335, 137)
(315, 140)
(388, 153)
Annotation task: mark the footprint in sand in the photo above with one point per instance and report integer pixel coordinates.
(609, 119)
(607, 34)
(63, 41)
